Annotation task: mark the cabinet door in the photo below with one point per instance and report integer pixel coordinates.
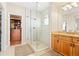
(15, 36)
(62, 38)
(55, 43)
(66, 45)
(61, 46)
(67, 48)
(76, 49)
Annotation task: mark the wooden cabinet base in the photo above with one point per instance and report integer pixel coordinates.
(65, 45)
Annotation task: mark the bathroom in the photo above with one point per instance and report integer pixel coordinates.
(34, 22)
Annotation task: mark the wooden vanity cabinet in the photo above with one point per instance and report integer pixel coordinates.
(65, 45)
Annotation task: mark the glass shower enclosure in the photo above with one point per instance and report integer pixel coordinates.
(39, 21)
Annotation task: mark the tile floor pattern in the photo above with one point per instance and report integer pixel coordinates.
(19, 50)
(39, 45)
(46, 52)
(23, 50)
(26, 50)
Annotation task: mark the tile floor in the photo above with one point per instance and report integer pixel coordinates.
(46, 52)
(26, 50)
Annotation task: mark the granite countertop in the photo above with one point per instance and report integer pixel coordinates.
(72, 34)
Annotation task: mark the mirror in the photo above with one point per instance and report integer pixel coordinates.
(71, 19)
(71, 24)
(77, 24)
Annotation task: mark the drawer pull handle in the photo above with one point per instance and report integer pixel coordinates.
(72, 45)
(57, 40)
(77, 40)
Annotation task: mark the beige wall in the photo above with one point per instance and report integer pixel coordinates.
(56, 18)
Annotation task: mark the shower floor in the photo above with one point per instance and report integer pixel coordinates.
(39, 45)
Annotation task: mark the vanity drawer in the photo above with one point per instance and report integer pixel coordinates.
(65, 38)
(76, 39)
(69, 39)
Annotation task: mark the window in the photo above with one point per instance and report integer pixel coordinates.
(46, 20)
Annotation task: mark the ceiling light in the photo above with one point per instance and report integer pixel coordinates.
(64, 8)
(74, 4)
(69, 6)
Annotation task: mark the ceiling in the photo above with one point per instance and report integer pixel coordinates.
(32, 5)
(43, 5)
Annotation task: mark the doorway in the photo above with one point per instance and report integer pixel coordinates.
(15, 29)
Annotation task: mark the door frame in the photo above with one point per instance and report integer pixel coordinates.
(10, 30)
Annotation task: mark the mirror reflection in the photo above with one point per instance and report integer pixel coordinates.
(71, 17)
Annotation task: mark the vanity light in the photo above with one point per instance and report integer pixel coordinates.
(64, 8)
(74, 4)
(68, 6)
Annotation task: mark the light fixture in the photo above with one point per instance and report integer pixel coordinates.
(64, 8)
(68, 6)
(74, 4)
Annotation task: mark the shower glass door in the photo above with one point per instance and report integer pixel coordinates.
(40, 26)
